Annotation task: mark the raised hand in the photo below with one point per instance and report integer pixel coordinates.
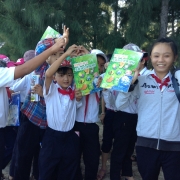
(59, 45)
(66, 34)
(72, 50)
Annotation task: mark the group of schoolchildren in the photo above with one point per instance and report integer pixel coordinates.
(60, 128)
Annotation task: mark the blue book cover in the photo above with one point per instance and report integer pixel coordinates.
(14, 109)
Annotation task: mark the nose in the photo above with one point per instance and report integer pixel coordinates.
(65, 77)
(161, 59)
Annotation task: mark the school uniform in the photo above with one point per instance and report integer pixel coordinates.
(24, 86)
(86, 119)
(33, 122)
(111, 113)
(124, 133)
(60, 145)
(158, 142)
(6, 80)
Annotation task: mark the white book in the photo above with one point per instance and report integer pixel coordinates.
(34, 81)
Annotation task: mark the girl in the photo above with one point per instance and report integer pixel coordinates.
(158, 142)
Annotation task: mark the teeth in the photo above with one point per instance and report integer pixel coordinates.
(161, 65)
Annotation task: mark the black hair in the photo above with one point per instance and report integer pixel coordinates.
(169, 41)
(109, 56)
(145, 64)
(2, 63)
(101, 57)
(63, 70)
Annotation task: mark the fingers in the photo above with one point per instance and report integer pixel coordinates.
(99, 81)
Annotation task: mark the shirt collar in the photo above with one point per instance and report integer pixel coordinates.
(153, 72)
(142, 71)
(58, 86)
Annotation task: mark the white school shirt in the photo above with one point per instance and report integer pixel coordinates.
(23, 85)
(109, 97)
(92, 110)
(144, 71)
(60, 109)
(6, 80)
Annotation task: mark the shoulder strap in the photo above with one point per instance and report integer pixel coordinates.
(176, 87)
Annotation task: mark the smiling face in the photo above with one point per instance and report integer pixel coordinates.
(162, 58)
(64, 77)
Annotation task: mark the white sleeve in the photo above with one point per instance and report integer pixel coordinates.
(78, 104)
(20, 85)
(109, 97)
(6, 76)
(51, 89)
(123, 100)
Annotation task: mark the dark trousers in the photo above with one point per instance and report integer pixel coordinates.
(59, 154)
(90, 148)
(108, 131)
(151, 160)
(10, 137)
(124, 130)
(35, 169)
(2, 144)
(28, 140)
(7, 139)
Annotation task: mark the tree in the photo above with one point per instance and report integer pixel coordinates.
(164, 18)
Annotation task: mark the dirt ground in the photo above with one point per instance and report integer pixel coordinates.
(107, 177)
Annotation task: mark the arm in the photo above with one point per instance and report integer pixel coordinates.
(78, 96)
(20, 85)
(123, 100)
(102, 110)
(32, 64)
(54, 67)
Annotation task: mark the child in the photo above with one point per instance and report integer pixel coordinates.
(60, 146)
(158, 142)
(7, 76)
(86, 119)
(33, 118)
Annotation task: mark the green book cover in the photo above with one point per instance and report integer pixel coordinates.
(86, 73)
(120, 71)
(50, 33)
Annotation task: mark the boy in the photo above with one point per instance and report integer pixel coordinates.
(33, 119)
(7, 76)
(60, 145)
(86, 119)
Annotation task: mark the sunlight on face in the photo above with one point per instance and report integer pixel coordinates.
(162, 59)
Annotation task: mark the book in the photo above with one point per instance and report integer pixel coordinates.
(50, 33)
(120, 71)
(86, 73)
(34, 81)
(14, 109)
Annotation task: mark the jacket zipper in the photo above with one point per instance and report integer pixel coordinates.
(160, 122)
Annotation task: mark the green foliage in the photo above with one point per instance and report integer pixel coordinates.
(90, 21)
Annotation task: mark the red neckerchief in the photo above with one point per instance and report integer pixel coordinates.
(8, 92)
(69, 92)
(86, 105)
(159, 81)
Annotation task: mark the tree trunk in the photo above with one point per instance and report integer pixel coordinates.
(172, 22)
(115, 15)
(164, 18)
